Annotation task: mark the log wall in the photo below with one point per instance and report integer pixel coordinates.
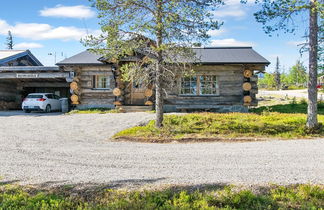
(230, 80)
(8, 95)
(89, 96)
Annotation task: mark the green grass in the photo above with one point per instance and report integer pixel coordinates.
(214, 126)
(300, 107)
(220, 197)
(94, 111)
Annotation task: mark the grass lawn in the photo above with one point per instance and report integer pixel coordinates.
(212, 126)
(94, 111)
(220, 197)
(288, 108)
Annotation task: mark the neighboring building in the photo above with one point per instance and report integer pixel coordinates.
(225, 81)
(18, 58)
(22, 73)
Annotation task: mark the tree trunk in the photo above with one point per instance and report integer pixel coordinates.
(158, 79)
(312, 82)
(158, 98)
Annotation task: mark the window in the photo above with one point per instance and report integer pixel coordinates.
(101, 82)
(208, 85)
(50, 96)
(189, 85)
(200, 85)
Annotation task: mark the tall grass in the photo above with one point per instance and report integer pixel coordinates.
(228, 197)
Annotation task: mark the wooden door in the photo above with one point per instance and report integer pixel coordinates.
(137, 94)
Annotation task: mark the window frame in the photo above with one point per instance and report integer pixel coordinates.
(196, 89)
(210, 81)
(199, 86)
(95, 82)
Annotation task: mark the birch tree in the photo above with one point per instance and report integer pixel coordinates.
(277, 74)
(165, 30)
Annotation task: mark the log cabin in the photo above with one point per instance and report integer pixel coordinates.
(225, 80)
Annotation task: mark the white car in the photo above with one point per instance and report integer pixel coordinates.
(45, 102)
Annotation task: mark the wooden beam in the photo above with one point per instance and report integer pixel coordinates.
(38, 75)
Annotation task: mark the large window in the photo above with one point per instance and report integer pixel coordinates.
(101, 82)
(199, 85)
(208, 85)
(189, 85)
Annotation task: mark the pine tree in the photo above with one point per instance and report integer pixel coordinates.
(9, 41)
(170, 27)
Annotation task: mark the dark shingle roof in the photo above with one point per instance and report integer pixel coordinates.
(207, 55)
(10, 55)
(229, 55)
(83, 58)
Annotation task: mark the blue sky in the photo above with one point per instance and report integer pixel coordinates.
(49, 26)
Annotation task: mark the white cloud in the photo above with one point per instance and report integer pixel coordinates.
(38, 31)
(295, 43)
(79, 11)
(216, 32)
(230, 43)
(237, 2)
(230, 12)
(232, 8)
(27, 45)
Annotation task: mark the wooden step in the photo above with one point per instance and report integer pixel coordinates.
(135, 108)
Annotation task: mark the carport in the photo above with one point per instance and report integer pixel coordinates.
(18, 81)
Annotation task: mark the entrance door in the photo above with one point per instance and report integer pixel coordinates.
(137, 94)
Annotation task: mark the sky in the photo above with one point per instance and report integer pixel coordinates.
(55, 27)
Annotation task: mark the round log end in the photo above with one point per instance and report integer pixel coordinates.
(247, 86)
(247, 99)
(247, 73)
(74, 85)
(117, 103)
(148, 92)
(148, 103)
(117, 92)
(74, 98)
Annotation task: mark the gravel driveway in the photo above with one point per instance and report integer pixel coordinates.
(290, 93)
(74, 149)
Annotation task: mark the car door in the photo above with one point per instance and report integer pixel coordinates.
(51, 102)
(58, 102)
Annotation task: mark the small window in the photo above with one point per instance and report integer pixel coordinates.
(189, 85)
(50, 96)
(56, 97)
(101, 82)
(208, 85)
(34, 96)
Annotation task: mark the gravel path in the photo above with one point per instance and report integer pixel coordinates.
(74, 149)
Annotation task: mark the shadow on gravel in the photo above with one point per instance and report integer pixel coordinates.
(9, 182)
(32, 114)
(127, 183)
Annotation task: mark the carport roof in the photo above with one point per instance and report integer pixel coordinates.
(28, 68)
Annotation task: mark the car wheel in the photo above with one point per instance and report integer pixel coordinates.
(48, 109)
(27, 111)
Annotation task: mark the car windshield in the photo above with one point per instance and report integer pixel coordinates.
(35, 96)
